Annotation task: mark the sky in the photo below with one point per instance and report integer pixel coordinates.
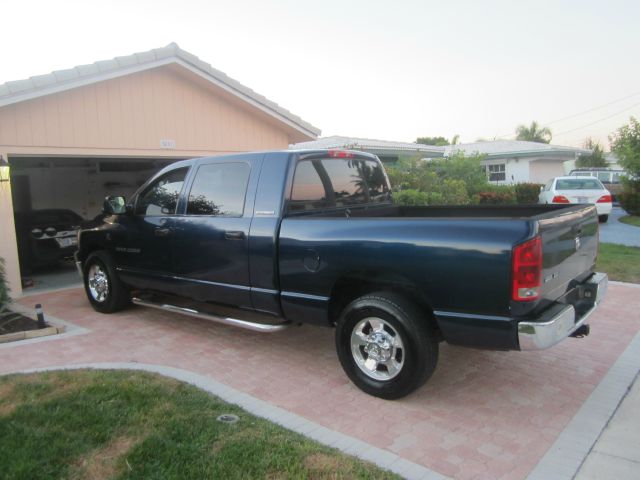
(391, 70)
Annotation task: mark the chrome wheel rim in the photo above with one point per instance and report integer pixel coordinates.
(377, 348)
(98, 283)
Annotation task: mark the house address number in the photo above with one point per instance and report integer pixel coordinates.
(167, 143)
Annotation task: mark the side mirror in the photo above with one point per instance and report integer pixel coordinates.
(114, 206)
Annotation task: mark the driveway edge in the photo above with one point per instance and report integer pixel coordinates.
(331, 438)
(575, 442)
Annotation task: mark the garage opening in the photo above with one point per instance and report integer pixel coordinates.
(53, 197)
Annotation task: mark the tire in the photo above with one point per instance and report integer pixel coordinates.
(603, 218)
(367, 331)
(107, 293)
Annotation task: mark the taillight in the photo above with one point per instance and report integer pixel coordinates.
(560, 199)
(340, 154)
(526, 270)
(605, 199)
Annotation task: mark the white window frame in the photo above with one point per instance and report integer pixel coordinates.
(496, 168)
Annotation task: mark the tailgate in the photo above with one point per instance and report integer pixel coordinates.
(569, 248)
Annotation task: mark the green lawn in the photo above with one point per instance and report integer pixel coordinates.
(121, 424)
(631, 220)
(620, 262)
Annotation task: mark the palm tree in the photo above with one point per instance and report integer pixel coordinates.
(533, 133)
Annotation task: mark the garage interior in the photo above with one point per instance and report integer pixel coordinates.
(78, 184)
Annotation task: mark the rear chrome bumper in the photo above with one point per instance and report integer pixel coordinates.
(559, 321)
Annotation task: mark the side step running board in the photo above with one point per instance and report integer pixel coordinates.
(234, 322)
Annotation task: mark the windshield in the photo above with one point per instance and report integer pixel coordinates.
(579, 184)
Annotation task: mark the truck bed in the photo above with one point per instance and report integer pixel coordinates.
(459, 256)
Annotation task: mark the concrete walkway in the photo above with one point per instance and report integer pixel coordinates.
(614, 231)
(617, 452)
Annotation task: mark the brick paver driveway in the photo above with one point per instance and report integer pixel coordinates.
(482, 415)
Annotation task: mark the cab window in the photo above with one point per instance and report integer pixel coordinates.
(219, 189)
(161, 197)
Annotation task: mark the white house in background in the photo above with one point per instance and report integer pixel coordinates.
(514, 161)
(387, 151)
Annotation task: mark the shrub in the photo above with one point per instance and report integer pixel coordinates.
(527, 193)
(449, 181)
(454, 192)
(458, 166)
(497, 195)
(630, 198)
(4, 289)
(411, 197)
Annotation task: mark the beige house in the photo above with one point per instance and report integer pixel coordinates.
(74, 136)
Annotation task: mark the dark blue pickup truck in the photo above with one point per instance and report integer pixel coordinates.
(266, 240)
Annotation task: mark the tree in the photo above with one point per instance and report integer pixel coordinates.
(625, 143)
(533, 133)
(596, 159)
(438, 141)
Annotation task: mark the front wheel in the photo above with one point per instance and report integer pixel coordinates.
(386, 345)
(105, 291)
(603, 218)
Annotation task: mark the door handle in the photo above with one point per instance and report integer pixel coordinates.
(238, 235)
(162, 232)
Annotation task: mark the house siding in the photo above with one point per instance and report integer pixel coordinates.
(132, 114)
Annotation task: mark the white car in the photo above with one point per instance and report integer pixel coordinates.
(578, 190)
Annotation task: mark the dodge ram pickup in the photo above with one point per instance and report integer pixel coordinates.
(267, 240)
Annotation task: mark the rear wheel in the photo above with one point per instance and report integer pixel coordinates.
(105, 291)
(386, 345)
(603, 218)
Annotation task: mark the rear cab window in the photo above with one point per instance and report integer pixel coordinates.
(324, 183)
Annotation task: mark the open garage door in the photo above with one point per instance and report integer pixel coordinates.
(54, 196)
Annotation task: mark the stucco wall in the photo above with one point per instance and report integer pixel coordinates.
(8, 247)
(517, 170)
